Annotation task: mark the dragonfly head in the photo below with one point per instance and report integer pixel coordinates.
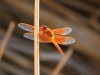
(43, 27)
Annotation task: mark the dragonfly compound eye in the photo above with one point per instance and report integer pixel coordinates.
(44, 27)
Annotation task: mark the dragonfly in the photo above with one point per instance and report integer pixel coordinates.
(47, 35)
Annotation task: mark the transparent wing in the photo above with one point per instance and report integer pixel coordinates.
(26, 27)
(62, 31)
(42, 37)
(64, 40)
(29, 36)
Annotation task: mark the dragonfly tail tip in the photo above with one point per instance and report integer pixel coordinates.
(62, 53)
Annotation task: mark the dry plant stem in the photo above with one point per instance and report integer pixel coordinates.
(36, 39)
(6, 38)
(62, 62)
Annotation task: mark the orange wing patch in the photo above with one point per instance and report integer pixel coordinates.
(64, 40)
(62, 31)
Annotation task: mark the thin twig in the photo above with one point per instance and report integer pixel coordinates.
(62, 62)
(36, 39)
(6, 38)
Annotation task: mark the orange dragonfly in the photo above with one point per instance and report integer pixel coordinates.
(46, 35)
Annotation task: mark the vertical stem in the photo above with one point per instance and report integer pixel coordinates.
(36, 39)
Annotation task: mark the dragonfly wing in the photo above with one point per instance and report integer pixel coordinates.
(29, 36)
(64, 40)
(62, 31)
(26, 27)
(42, 37)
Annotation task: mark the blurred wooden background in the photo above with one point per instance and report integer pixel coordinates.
(81, 15)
